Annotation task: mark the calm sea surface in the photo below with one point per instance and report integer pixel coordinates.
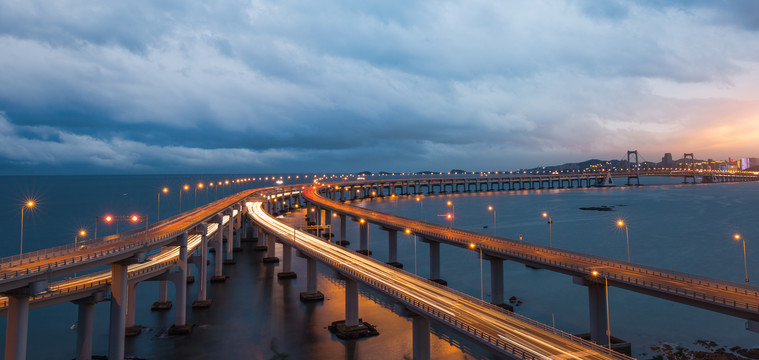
(255, 316)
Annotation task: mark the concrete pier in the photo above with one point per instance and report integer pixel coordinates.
(363, 230)
(180, 311)
(117, 326)
(311, 293)
(286, 272)
(392, 244)
(202, 264)
(421, 337)
(435, 262)
(270, 250)
(85, 325)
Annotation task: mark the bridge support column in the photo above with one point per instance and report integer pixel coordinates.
(421, 337)
(435, 262)
(343, 230)
(230, 257)
(117, 328)
(17, 326)
(287, 272)
(260, 242)
(328, 223)
(496, 282)
(270, 249)
(597, 307)
(311, 293)
(363, 231)
(218, 246)
(203, 301)
(351, 302)
(163, 302)
(180, 316)
(85, 321)
(392, 244)
(131, 328)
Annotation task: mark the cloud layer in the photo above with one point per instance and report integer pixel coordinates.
(254, 86)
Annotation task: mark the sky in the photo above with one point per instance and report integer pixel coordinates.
(145, 87)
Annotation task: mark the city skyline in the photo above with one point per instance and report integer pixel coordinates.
(341, 87)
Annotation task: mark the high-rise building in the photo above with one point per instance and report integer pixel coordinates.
(667, 161)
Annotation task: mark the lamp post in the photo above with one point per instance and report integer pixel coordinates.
(491, 208)
(29, 204)
(453, 211)
(164, 190)
(622, 223)
(550, 232)
(745, 264)
(606, 289)
(184, 188)
(79, 233)
(200, 186)
(482, 291)
(408, 232)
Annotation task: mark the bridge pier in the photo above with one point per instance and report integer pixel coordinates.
(420, 330)
(229, 256)
(311, 293)
(328, 223)
(597, 309)
(363, 232)
(343, 230)
(435, 262)
(392, 245)
(270, 249)
(131, 328)
(496, 283)
(218, 245)
(117, 324)
(85, 328)
(286, 272)
(17, 326)
(202, 263)
(352, 327)
(163, 302)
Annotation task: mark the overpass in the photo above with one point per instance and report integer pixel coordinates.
(735, 299)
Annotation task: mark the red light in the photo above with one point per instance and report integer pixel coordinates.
(108, 218)
(135, 218)
(449, 216)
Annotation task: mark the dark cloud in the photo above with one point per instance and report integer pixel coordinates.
(294, 86)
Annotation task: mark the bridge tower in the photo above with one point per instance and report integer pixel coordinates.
(691, 166)
(631, 168)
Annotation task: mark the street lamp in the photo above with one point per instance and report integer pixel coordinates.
(606, 288)
(550, 233)
(745, 264)
(29, 204)
(200, 186)
(185, 188)
(79, 233)
(491, 208)
(622, 223)
(453, 212)
(164, 190)
(408, 232)
(482, 291)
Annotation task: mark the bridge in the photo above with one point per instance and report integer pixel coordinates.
(163, 251)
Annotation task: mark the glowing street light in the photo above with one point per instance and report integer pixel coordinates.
(421, 206)
(184, 188)
(29, 204)
(165, 190)
(200, 186)
(738, 237)
(79, 233)
(550, 233)
(622, 223)
(482, 291)
(453, 211)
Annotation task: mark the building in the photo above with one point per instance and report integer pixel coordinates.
(667, 161)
